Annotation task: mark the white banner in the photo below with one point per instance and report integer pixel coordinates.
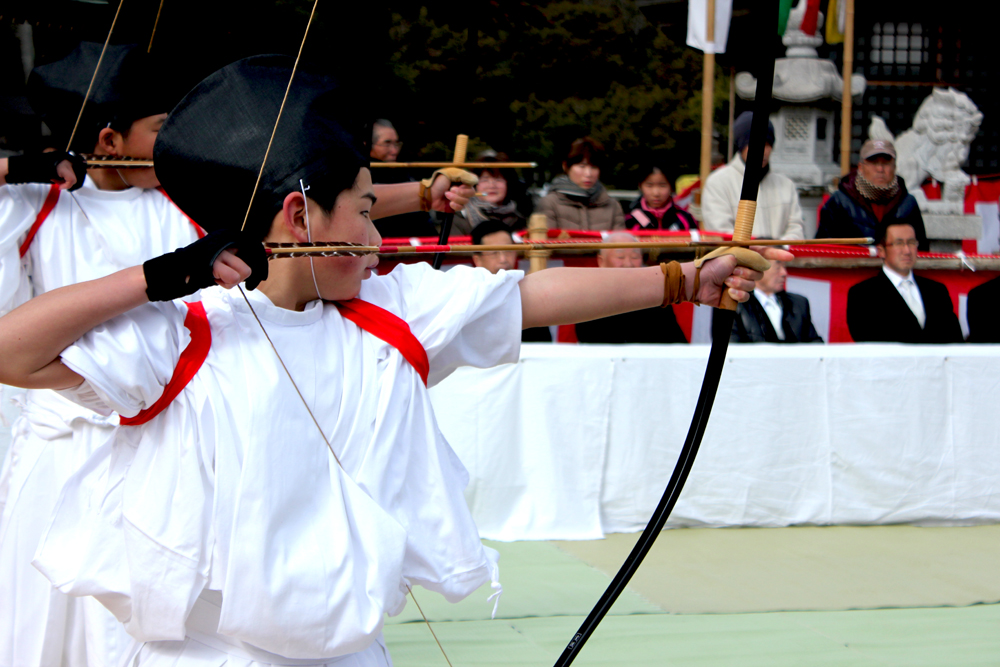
(698, 22)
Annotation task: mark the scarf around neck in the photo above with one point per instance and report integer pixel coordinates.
(874, 193)
(478, 211)
(567, 187)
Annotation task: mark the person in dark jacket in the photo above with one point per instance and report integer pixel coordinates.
(655, 208)
(984, 312)
(774, 316)
(869, 195)
(897, 305)
(652, 325)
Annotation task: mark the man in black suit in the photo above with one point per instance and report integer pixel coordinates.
(896, 305)
(774, 315)
(984, 312)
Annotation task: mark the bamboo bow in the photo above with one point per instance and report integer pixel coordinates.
(716, 359)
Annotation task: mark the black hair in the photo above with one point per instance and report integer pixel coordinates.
(585, 148)
(656, 162)
(882, 228)
(487, 227)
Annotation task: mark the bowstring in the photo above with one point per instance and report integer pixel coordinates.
(155, 23)
(94, 77)
(288, 374)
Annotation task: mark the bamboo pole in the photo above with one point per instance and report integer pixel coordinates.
(538, 227)
(707, 98)
(845, 103)
(732, 112)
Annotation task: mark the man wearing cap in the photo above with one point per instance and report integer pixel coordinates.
(779, 214)
(279, 480)
(871, 194)
(897, 305)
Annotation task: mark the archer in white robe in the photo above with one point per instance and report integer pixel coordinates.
(89, 234)
(225, 529)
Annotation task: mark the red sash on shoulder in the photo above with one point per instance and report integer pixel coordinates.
(188, 364)
(377, 321)
(50, 203)
(386, 326)
(197, 228)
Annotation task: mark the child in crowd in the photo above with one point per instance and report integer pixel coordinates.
(655, 207)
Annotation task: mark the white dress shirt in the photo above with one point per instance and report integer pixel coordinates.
(907, 287)
(772, 306)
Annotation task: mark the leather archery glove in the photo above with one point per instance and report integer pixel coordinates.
(453, 174)
(191, 268)
(744, 257)
(41, 168)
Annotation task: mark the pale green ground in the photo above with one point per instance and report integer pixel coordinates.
(923, 576)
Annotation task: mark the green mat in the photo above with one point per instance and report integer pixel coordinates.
(538, 580)
(808, 568)
(549, 589)
(967, 636)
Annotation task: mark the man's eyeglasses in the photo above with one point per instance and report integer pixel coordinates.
(388, 143)
(900, 243)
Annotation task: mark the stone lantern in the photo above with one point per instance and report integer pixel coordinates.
(804, 128)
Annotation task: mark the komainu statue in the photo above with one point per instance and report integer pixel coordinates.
(937, 145)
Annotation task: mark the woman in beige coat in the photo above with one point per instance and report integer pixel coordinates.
(576, 199)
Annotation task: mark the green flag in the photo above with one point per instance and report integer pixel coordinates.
(783, 11)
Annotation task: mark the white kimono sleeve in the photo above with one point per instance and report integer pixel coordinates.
(19, 206)
(463, 317)
(127, 361)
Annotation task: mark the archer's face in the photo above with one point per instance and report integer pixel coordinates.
(138, 143)
(340, 277)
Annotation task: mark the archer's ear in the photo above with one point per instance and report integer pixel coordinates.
(293, 216)
(110, 141)
(880, 249)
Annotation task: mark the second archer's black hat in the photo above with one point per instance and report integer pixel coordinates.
(56, 92)
(211, 148)
(129, 84)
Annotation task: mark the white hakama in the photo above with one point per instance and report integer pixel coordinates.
(89, 234)
(231, 497)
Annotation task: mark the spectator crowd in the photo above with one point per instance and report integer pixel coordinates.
(895, 305)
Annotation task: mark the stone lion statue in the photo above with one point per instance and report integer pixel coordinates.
(938, 143)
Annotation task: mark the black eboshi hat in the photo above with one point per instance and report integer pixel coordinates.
(210, 149)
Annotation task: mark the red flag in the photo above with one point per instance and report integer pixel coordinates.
(811, 18)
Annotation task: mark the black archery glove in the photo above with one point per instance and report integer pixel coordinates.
(41, 168)
(189, 269)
